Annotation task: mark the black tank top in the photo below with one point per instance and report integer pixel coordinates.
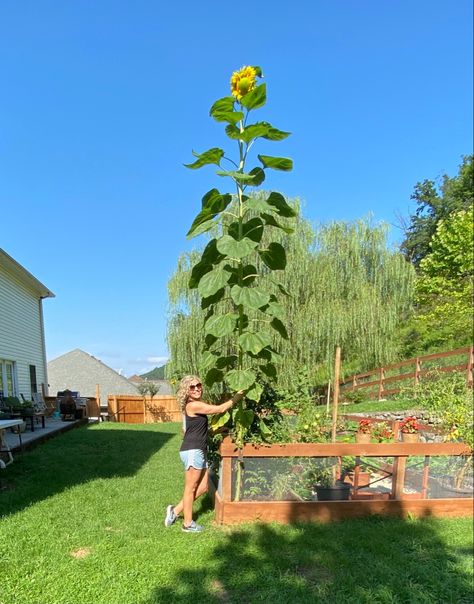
(195, 436)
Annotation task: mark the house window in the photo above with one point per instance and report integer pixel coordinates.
(7, 377)
(33, 384)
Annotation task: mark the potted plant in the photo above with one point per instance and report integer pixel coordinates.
(364, 431)
(328, 488)
(383, 433)
(409, 430)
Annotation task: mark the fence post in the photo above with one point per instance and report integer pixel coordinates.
(417, 370)
(470, 363)
(381, 379)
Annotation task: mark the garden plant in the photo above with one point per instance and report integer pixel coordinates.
(237, 345)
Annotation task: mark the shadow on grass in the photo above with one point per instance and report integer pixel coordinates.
(376, 560)
(75, 457)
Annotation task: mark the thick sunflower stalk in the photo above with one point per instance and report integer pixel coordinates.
(227, 271)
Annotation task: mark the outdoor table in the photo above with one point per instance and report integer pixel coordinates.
(4, 446)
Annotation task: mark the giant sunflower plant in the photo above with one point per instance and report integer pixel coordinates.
(229, 272)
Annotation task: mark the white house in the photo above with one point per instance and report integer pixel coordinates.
(23, 367)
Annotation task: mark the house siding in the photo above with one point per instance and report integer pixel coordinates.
(21, 330)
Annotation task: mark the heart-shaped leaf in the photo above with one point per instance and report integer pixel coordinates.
(219, 420)
(276, 163)
(223, 111)
(250, 297)
(240, 379)
(211, 156)
(254, 342)
(277, 202)
(213, 376)
(255, 98)
(274, 257)
(213, 281)
(272, 221)
(254, 393)
(278, 326)
(235, 249)
(221, 325)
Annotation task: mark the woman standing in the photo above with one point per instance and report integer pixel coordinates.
(193, 451)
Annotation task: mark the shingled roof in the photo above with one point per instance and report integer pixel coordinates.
(79, 371)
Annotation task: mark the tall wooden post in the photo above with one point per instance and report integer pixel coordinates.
(97, 400)
(335, 399)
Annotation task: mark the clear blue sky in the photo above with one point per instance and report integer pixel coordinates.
(102, 102)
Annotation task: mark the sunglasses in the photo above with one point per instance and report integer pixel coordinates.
(195, 386)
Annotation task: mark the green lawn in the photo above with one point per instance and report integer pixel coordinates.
(82, 523)
(371, 406)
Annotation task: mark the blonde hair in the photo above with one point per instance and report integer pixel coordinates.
(183, 389)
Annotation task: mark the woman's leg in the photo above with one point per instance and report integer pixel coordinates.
(200, 490)
(192, 479)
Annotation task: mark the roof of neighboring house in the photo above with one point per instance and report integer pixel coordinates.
(79, 371)
(19, 271)
(136, 379)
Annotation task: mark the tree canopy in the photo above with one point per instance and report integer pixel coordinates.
(434, 203)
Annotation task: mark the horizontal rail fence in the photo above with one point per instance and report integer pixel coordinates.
(133, 409)
(389, 380)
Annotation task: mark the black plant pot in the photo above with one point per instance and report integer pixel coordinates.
(339, 492)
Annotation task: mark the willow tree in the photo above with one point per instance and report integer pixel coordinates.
(346, 288)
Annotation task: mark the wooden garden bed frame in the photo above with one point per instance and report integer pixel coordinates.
(395, 503)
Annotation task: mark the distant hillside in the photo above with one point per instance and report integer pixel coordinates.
(158, 373)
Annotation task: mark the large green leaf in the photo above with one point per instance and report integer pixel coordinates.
(207, 359)
(274, 134)
(274, 257)
(238, 176)
(210, 253)
(223, 111)
(211, 156)
(275, 309)
(278, 203)
(255, 98)
(219, 420)
(250, 297)
(272, 221)
(276, 163)
(254, 342)
(253, 131)
(265, 430)
(269, 370)
(244, 417)
(254, 393)
(213, 203)
(213, 376)
(278, 326)
(240, 379)
(258, 204)
(226, 362)
(221, 325)
(235, 249)
(212, 282)
(199, 270)
(258, 177)
(253, 229)
(210, 300)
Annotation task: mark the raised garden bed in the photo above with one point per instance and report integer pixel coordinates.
(400, 481)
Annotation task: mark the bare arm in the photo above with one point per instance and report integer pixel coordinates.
(206, 409)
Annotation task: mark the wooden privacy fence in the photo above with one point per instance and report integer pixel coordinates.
(133, 409)
(374, 383)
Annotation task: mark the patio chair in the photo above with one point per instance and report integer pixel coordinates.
(40, 406)
(67, 405)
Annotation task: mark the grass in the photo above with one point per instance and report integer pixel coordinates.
(83, 524)
(370, 406)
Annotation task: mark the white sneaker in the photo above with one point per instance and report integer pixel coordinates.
(170, 516)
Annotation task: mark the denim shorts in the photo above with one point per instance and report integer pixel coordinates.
(195, 458)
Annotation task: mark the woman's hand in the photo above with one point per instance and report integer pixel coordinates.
(238, 396)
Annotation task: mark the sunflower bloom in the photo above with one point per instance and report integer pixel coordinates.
(243, 81)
